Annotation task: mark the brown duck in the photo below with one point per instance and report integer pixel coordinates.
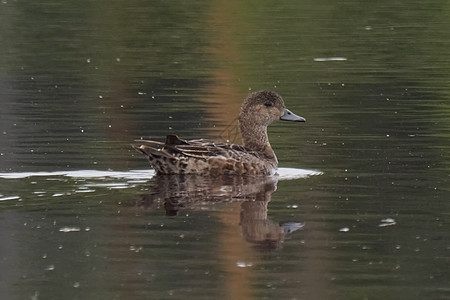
(209, 158)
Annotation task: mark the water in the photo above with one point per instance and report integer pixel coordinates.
(360, 209)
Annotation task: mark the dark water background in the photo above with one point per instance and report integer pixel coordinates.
(80, 80)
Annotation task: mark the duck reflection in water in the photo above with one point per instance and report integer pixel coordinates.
(179, 192)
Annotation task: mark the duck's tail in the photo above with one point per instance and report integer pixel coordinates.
(162, 161)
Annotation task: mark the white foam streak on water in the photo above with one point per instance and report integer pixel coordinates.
(9, 198)
(293, 173)
(87, 174)
(330, 59)
(70, 229)
(283, 174)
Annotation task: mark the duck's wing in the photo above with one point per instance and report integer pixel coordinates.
(206, 149)
(198, 149)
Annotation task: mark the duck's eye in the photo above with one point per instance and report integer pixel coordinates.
(268, 104)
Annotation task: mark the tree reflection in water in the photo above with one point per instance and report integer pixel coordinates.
(177, 192)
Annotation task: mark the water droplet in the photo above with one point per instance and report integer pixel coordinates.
(387, 222)
(243, 264)
(50, 268)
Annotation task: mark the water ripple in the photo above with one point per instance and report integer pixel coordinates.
(283, 174)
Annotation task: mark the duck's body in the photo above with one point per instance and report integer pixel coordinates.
(209, 158)
(205, 157)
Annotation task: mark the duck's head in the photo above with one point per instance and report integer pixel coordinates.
(264, 107)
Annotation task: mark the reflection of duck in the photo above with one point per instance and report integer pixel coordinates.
(177, 192)
(205, 157)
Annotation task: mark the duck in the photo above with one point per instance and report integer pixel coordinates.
(212, 158)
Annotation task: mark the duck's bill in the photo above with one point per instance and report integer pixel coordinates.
(290, 116)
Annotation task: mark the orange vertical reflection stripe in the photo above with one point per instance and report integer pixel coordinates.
(227, 96)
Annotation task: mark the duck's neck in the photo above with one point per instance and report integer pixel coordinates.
(255, 138)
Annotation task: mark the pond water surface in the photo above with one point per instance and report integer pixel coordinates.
(360, 209)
